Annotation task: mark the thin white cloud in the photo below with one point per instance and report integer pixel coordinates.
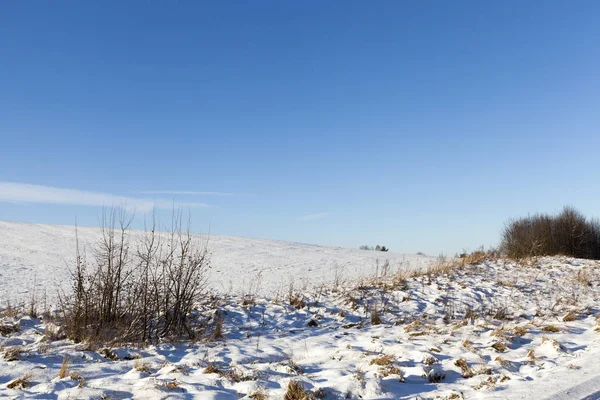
(186, 193)
(309, 217)
(12, 192)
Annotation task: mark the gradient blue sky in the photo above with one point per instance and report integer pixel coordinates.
(420, 125)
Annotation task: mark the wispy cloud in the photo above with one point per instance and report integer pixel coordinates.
(13, 192)
(309, 217)
(185, 193)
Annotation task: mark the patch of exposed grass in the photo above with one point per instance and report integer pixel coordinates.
(551, 328)
(12, 353)
(499, 346)
(383, 360)
(141, 366)
(466, 371)
(570, 316)
(20, 383)
(295, 391)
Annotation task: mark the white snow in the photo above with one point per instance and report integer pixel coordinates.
(516, 346)
(38, 257)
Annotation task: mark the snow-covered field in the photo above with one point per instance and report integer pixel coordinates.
(38, 257)
(492, 330)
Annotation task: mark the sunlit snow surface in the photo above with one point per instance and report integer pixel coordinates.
(269, 343)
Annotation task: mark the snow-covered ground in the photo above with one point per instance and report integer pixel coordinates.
(492, 330)
(38, 257)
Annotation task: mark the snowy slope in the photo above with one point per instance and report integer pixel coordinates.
(43, 253)
(490, 330)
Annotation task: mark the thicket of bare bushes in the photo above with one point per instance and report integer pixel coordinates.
(568, 233)
(140, 293)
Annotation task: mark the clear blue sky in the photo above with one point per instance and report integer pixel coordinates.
(419, 125)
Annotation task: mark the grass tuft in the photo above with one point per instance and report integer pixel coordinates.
(20, 383)
(295, 391)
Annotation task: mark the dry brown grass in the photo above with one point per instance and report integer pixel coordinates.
(583, 277)
(471, 314)
(172, 385)
(141, 366)
(109, 354)
(476, 257)
(468, 345)
(551, 328)
(295, 391)
(391, 370)
(76, 377)
(501, 314)
(429, 360)
(499, 346)
(232, 373)
(531, 356)
(10, 312)
(293, 367)
(443, 267)
(489, 382)
(375, 318)
(212, 369)
(570, 316)
(466, 371)
(12, 353)
(259, 395)
(500, 333)
(53, 333)
(64, 368)
(519, 331)
(383, 360)
(7, 329)
(218, 332)
(506, 283)
(20, 383)
(414, 326)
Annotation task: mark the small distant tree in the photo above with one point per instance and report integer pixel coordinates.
(377, 248)
(383, 248)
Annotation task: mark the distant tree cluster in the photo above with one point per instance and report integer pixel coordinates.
(376, 248)
(569, 233)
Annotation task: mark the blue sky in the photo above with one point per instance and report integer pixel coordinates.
(422, 126)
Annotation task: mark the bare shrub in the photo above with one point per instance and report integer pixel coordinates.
(136, 296)
(569, 233)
